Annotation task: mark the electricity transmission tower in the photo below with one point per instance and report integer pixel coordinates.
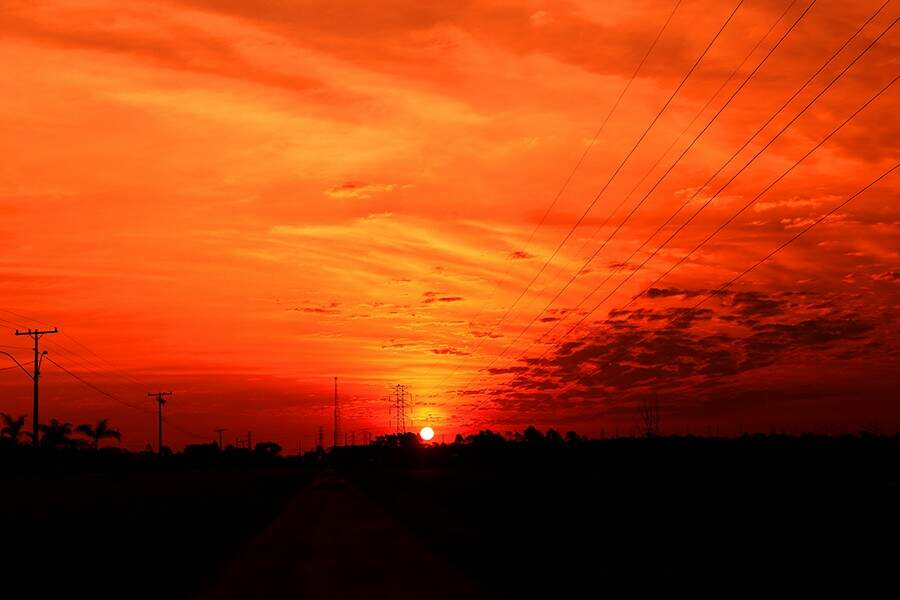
(37, 334)
(401, 392)
(337, 416)
(160, 400)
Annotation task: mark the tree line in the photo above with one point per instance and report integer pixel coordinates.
(56, 434)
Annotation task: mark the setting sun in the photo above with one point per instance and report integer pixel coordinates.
(426, 434)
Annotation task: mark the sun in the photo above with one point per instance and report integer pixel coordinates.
(426, 434)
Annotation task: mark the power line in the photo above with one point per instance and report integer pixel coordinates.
(618, 168)
(655, 185)
(92, 365)
(755, 198)
(771, 118)
(721, 288)
(96, 388)
(675, 141)
(583, 156)
(721, 168)
(741, 170)
(167, 420)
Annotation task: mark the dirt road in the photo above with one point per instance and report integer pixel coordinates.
(331, 542)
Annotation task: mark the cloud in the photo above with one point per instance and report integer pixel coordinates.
(360, 191)
(430, 297)
(886, 276)
(693, 358)
(452, 351)
(329, 309)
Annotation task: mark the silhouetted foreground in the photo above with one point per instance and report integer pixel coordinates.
(112, 524)
(543, 515)
(549, 518)
(332, 542)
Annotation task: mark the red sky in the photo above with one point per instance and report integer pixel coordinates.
(239, 200)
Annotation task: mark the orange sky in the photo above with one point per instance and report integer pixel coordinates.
(239, 200)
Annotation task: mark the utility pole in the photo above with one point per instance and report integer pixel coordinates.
(160, 400)
(38, 356)
(337, 416)
(220, 432)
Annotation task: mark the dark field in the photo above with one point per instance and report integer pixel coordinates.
(160, 532)
(549, 521)
(521, 520)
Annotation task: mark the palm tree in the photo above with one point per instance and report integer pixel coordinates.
(55, 434)
(12, 428)
(98, 432)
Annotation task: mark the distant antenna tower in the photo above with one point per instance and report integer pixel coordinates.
(337, 416)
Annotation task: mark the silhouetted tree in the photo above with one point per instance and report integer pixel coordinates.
(56, 434)
(533, 436)
(573, 438)
(201, 452)
(486, 437)
(100, 431)
(12, 428)
(268, 448)
(553, 437)
(459, 439)
(397, 440)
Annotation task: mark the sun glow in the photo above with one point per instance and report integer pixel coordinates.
(426, 434)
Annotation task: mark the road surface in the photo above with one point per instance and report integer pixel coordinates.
(331, 542)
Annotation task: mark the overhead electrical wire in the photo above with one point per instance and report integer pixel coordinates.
(742, 169)
(718, 171)
(724, 165)
(728, 221)
(584, 154)
(619, 167)
(724, 286)
(655, 185)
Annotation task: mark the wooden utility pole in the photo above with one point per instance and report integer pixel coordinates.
(160, 400)
(37, 334)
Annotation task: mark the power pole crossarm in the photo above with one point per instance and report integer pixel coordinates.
(37, 334)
